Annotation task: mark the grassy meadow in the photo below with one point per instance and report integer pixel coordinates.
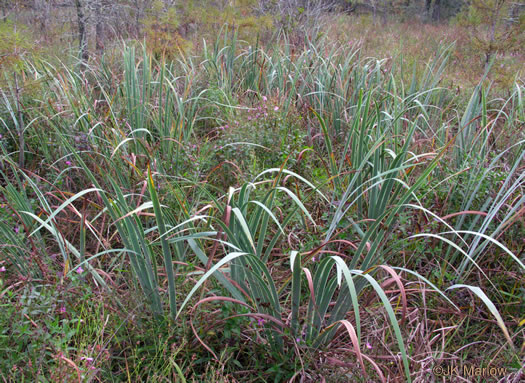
(344, 204)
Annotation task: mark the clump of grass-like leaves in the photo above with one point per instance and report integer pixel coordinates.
(116, 183)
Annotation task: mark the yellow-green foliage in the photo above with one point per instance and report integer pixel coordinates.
(490, 30)
(168, 30)
(237, 15)
(162, 35)
(15, 43)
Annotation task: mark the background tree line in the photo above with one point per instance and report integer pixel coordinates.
(170, 26)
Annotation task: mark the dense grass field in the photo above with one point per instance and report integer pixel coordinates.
(310, 208)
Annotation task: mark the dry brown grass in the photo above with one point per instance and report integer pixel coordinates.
(417, 42)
